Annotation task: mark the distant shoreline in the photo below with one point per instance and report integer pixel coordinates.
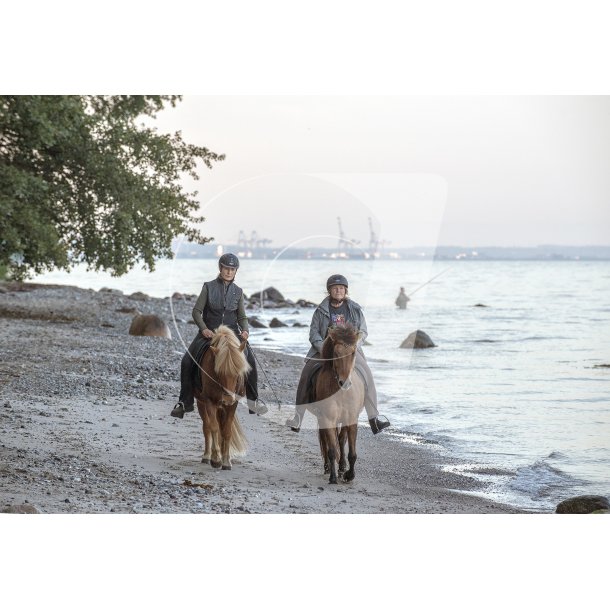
(428, 253)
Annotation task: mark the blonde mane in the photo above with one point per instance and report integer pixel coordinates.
(229, 359)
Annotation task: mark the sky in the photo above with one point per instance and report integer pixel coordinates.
(443, 170)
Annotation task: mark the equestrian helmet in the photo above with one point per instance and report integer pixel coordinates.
(336, 280)
(228, 260)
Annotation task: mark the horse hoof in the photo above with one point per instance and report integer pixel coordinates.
(205, 461)
(333, 481)
(342, 469)
(216, 464)
(226, 467)
(349, 476)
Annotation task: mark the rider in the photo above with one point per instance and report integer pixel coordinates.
(337, 309)
(221, 302)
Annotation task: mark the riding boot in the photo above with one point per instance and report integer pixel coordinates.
(178, 410)
(377, 425)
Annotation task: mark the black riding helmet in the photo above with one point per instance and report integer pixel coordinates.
(228, 260)
(336, 280)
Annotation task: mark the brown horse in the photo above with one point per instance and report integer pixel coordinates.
(339, 399)
(223, 373)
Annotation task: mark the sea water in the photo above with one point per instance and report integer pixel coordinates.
(513, 388)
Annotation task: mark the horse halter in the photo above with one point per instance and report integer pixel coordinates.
(347, 384)
(228, 404)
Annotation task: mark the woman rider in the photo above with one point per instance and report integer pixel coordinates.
(221, 302)
(337, 309)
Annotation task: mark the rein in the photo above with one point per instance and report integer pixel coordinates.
(279, 405)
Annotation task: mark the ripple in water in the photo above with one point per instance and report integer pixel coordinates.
(541, 480)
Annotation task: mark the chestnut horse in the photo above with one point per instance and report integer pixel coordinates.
(339, 400)
(223, 374)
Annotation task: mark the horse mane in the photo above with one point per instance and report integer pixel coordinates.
(229, 359)
(345, 334)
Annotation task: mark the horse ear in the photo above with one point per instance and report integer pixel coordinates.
(360, 336)
(242, 346)
(331, 334)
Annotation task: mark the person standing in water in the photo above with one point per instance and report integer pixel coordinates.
(402, 299)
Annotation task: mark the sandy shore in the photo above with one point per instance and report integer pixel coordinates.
(85, 425)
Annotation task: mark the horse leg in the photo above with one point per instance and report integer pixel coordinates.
(215, 459)
(352, 433)
(331, 454)
(207, 447)
(342, 437)
(323, 450)
(226, 431)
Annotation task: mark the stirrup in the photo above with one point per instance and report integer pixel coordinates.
(377, 426)
(258, 406)
(294, 423)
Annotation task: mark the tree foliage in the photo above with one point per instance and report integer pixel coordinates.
(82, 180)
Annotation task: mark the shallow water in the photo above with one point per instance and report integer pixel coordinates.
(511, 388)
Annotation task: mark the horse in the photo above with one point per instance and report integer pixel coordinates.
(338, 401)
(223, 371)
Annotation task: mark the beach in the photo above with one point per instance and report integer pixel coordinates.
(84, 417)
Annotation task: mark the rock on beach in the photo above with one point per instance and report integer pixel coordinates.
(149, 325)
(417, 340)
(583, 505)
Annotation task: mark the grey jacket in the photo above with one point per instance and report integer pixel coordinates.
(321, 321)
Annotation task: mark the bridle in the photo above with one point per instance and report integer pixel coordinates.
(336, 375)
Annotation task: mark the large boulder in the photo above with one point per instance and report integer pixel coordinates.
(254, 322)
(269, 294)
(275, 323)
(304, 303)
(139, 296)
(417, 340)
(583, 505)
(149, 325)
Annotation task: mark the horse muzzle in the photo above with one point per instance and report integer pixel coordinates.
(345, 385)
(228, 400)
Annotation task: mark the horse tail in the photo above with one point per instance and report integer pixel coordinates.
(239, 443)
